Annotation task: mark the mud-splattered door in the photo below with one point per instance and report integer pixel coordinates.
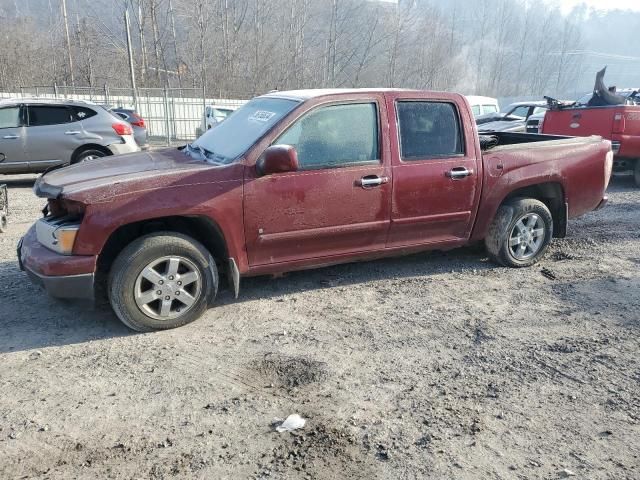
(337, 203)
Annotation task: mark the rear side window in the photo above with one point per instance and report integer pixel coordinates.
(335, 136)
(48, 115)
(489, 108)
(428, 130)
(476, 110)
(10, 117)
(82, 113)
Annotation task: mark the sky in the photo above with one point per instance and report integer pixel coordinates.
(567, 5)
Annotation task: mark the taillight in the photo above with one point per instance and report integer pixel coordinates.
(618, 123)
(608, 168)
(122, 129)
(139, 121)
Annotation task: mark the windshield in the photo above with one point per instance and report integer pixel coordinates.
(236, 134)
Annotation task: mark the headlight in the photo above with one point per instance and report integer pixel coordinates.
(57, 235)
(64, 238)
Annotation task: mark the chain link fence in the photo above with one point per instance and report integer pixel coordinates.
(172, 115)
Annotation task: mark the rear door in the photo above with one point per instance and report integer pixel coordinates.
(12, 153)
(338, 201)
(436, 171)
(53, 134)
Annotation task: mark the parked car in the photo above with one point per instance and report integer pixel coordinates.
(304, 179)
(137, 123)
(534, 122)
(513, 119)
(482, 105)
(619, 123)
(37, 133)
(216, 114)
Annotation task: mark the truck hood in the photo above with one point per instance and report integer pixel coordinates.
(108, 177)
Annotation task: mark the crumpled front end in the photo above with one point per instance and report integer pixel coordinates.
(62, 276)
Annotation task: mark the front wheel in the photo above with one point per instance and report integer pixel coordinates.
(520, 232)
(162, 280)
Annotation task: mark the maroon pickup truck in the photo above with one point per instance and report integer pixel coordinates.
(303, 179)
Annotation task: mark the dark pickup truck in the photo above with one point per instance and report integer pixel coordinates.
(304, 179)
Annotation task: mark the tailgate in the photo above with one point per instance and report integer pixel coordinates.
(580, 122)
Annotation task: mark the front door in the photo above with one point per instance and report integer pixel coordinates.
(436, 173)
(337, 203)
(12, 153)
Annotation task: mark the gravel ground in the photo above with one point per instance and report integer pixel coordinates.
(437, 365)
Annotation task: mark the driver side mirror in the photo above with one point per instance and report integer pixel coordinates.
(277, 159)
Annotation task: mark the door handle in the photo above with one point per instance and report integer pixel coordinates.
(72, 132)
(458, 173)
(10, 137)
(371, 181)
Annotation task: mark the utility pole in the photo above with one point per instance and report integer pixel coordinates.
(132, 72)
(66, 31)
(175, 41)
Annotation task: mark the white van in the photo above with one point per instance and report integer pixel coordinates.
(215, 114)
(482, 105)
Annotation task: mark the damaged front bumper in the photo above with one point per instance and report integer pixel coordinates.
(62, 276)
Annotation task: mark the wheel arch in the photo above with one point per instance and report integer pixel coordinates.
(89, 146)
(552, 195)
(200, 228)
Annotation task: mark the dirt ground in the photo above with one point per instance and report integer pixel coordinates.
(435, 366)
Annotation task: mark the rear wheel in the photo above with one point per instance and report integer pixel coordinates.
(89, 154)
(520, 232)
(161, 281)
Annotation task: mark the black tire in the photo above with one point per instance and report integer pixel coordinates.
(89, 154)
(636, 173)
(500, 231)
(127, 269)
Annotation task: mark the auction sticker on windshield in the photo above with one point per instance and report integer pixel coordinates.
(262, 116)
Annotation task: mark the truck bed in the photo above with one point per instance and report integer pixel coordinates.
(493, 140)
(520, 159)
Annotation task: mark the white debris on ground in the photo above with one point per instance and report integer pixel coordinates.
(293, 422)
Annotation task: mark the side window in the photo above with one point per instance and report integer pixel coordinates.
(522, 111)
(476, 110)
(82, 113)
(10, 117)
(489, 108)
(48, 115)
(429, 129)
(335, 136)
